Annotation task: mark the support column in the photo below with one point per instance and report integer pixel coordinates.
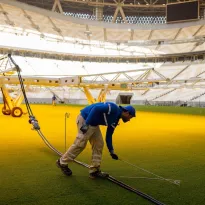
(102, 95)
(89, 96)
(57, 7)
(98, 11)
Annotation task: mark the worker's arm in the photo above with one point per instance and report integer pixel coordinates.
(109, 134)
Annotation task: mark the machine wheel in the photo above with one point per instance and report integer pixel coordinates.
(16, 112)
(5, 111)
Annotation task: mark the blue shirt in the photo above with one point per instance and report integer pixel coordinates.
(107, 114)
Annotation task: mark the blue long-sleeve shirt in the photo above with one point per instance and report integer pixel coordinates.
(107, 114)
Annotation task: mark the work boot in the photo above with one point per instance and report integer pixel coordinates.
(98, 173)
(64, 168)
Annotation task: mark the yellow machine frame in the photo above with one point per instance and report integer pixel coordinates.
(11, 106)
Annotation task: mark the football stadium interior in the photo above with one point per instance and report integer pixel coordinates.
(146, 53)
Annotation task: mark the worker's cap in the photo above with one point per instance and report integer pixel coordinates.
(129, 109)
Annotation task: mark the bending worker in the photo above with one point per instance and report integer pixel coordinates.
(88, 122)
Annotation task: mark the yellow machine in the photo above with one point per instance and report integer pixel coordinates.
(131, 80)
(11, 105)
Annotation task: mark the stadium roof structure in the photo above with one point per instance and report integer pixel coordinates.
(131, 40)
(26, 30)
(109, 7)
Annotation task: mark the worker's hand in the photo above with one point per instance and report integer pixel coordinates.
(84, 128)
(114, 156)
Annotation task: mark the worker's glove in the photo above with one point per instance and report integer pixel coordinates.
(84, 128)
(114, 156)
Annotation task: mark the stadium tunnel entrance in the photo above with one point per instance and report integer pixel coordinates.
(124, 98)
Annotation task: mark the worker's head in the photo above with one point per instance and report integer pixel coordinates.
(128, 112)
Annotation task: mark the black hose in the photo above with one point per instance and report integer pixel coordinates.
(125, 186)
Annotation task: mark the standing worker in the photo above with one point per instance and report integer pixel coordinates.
(88, 122)
(54, 100)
